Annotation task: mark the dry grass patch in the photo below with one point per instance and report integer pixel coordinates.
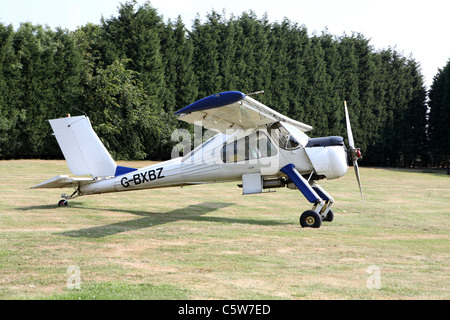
(210, 242)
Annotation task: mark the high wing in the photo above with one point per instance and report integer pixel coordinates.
(233, 110)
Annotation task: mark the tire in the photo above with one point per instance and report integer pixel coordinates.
(310, 219)
(62, 203)
(330, 216)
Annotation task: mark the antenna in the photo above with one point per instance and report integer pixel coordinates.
(254, 93)
(81, 111)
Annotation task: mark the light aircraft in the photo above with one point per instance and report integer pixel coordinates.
(253, 144)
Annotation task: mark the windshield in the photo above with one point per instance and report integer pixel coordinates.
(289, 140)
(295, 132)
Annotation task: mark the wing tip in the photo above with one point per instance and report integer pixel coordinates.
(213, 101)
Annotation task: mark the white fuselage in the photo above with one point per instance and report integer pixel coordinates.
(228, 157)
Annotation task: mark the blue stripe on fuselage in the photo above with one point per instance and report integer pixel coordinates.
(123, 170)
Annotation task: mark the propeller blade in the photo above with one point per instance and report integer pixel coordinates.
(355, 165)
(355, 153)
(351, 143)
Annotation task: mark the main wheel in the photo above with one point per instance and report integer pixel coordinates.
(310, 219)
(62, 203)
(330, 216)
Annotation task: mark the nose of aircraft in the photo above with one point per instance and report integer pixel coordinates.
(328, 156)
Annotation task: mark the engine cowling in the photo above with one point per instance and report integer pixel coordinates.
(328, 156)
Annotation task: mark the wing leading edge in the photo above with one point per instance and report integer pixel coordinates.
(233, 110)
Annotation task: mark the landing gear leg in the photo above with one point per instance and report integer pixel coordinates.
(325, 212)
(314, 193)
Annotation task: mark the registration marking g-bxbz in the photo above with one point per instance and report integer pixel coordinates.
(142, 177)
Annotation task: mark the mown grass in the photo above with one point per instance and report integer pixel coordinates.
(210, 242)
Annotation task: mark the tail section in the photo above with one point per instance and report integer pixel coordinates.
(83, 150)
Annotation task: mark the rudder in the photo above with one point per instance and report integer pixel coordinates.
(82, 148)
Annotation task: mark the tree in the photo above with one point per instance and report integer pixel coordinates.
(180, 81)
(136, 35)
(439, 129)
(413, 125)
(134, 71)
(43, 72)
(206, 62)
(122, 114)
(11, 111)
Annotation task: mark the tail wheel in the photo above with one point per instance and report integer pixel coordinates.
(310, 219)
(62, 203)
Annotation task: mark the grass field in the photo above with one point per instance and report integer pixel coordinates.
(210, 242)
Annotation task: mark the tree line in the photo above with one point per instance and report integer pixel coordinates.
(131, 72)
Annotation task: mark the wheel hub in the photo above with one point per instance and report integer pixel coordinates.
(310, 220)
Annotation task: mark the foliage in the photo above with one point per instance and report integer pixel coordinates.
(122, 112)
(439, 129)
(40, 76)
(133, 71)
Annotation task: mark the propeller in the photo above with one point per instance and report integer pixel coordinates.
(355, 153)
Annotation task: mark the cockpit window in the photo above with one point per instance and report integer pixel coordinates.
(284, 138)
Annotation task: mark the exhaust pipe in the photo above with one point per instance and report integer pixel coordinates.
(274, 183)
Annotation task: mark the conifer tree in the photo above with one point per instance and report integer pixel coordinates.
(206, 54)
(439, 129)
(136, 35)
(177, 50)
(11, 110)
(134, 71)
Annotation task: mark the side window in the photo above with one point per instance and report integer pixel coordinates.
(254, 146)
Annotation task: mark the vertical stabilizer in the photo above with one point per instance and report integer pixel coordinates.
(83, 150)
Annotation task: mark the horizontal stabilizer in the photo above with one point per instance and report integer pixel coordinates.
(63, 181)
